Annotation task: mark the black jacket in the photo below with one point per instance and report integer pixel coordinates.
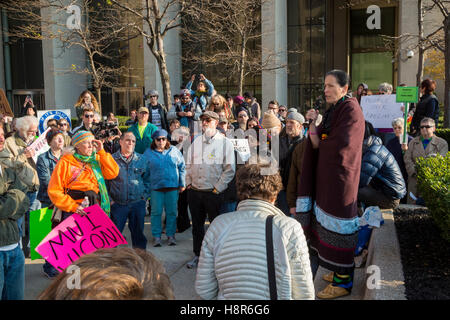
(428, 106)
(287, 146)
(162, 113)
(380, 169)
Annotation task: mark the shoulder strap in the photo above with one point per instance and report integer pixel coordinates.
(270, 259)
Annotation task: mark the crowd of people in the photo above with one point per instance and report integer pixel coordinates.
(309, 177)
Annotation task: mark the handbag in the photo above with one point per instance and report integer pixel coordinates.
(270, 259)
(57, 212)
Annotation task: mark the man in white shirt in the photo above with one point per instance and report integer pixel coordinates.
(210, 166)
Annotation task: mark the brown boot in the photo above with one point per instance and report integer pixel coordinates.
(328, 277)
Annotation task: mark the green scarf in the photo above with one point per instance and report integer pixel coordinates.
(99, 176)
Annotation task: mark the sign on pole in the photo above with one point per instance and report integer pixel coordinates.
(407, 95)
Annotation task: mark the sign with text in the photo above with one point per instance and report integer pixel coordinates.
(45, 115)
(380, 110)
(407, 94)
(40, 145)
(242, 147)
(79, 235)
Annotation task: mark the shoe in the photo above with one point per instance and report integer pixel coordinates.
(157, 242)
(328, 277)
(332, 292)
(171, 241)
(193, 263)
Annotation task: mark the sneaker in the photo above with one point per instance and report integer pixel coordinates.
(171, 241)
(332, 292)
(193, 263)
(157, 242)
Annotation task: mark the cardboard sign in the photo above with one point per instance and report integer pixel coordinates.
(79, 235)
(380, 110)
(45, 115)
(40, 227)
(407, 94)
(40, 145)
(5, 108)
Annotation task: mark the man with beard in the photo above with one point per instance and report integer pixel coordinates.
(210, 166)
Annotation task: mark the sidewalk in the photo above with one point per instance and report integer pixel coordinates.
(174, 259)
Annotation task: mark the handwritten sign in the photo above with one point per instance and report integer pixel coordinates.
(40, 145)
(242, 147)
(79, 235)
(380, 110)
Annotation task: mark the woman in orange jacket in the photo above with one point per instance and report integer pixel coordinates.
(82, 174)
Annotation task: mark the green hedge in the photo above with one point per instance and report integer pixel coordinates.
(433, 182)
(444, 134)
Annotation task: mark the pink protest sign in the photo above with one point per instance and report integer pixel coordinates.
(79, 235)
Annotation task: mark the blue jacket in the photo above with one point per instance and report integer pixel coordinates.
(203, 101)
(380, 169)
(132, 183)
(45, 165)
(167, 169)
(144, 142)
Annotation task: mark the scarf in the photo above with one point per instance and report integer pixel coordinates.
(328, 116)
(92, 161)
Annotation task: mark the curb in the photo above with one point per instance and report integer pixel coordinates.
(384, 260)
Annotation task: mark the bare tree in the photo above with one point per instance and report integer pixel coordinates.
(96, 27)
(226, 35)
(153, 20)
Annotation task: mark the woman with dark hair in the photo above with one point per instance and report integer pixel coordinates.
(327, 195)
(428, 106)
(167, 179)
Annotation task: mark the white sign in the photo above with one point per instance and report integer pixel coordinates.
(40, 145)
(380, 110)
(45, 115)
(242, 147)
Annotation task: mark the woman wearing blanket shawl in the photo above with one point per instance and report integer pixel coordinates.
(327, 195)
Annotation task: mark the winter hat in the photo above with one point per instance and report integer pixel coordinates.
(159, 133)
(238, 99)
(185, 92)
(81, 136)
(270, 121)
(296, 116)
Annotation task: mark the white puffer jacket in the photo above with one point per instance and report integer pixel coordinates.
(233, 261)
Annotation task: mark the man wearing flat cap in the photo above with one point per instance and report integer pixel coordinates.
(157, 113)
(210, 166)
(289, 139)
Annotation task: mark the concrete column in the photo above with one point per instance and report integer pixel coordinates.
(62, 86)
(274, 42)
(2, 65)
(407, 69)
(172, 48)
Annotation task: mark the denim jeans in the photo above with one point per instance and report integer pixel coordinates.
(135, 213)
(228, 206)
(167, 201)
(12, 274)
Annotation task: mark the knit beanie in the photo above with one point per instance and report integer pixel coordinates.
(270, 121)
(81, 136)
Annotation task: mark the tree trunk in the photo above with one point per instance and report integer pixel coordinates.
(98, 91)
(447, 73)
(164, 74)
(241, 69)
(421, 51)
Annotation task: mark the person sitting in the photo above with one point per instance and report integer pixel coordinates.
(381, 182)
(425, 145)
(233, 261)
(113, 274)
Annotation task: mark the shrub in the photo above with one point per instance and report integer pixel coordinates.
(444, 134)
(433, 180)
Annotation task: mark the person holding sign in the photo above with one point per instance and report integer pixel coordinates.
(327, 196)
(13, 205)
(82, 174)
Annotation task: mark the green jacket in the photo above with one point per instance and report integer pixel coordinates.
(21, 168)
(13, 205)
(146, 141)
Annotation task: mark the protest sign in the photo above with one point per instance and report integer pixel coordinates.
(242, 147)
(40, 227)
(45, 115)
(40, 145)
(79, 235)
(380, 110)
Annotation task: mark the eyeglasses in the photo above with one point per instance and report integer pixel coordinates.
(88, 115)
(161, 139)
(428, 127)
(62, 124)
(153, 96)
(283, 110)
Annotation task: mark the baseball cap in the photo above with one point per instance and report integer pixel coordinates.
(143, 109)
(185, 92)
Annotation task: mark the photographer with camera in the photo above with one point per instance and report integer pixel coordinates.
(109, 133)
(29, 109)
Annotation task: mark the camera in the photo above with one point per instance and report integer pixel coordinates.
(105, 129)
